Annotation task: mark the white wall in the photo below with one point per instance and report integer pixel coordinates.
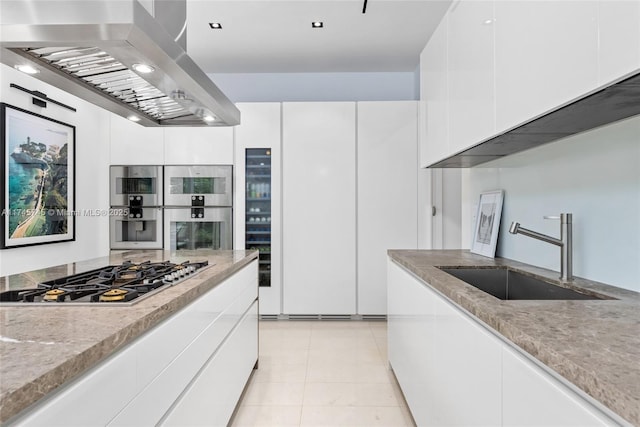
(283, 87)
(92, 184)
(594, 175)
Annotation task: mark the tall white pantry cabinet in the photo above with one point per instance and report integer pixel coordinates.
(319, 208)
(349, 179)
(387, 202)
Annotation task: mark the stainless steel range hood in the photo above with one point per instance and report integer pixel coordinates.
(89, 49)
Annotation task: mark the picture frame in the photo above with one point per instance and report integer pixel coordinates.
(487, 223)
(37, 184)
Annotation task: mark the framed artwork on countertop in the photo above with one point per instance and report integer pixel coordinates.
(487, 224)
(37, 186)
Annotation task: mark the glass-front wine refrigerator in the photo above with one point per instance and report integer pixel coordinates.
(258, 208)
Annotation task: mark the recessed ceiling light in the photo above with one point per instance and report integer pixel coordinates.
(209, 118)
(143, 68)
(134, 118)
(28, 69)
(215, 25)
(317, 24)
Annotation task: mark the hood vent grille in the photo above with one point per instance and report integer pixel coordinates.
(100, 70)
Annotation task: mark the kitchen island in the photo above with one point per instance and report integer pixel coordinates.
(48, 350)
(591, 346)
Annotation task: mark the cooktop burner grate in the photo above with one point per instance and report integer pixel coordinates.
(121, 284)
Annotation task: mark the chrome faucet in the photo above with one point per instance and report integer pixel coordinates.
(566, 247)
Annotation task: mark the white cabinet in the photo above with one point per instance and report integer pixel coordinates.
(411, 323)
(546, 55)
(198, 145)
(210, 319)
(492, 65)
(457, 81)
(83, 403)
(261, 128)
(319, 208)
(619, 39)
(470, 73)
(533, 398)
(211, 398)
(455, 371)
(387, 188)
(448, 366)
(467, 371)
(434, 95)
(133, 144)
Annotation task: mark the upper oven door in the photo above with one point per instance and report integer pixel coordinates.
(198, 185)
(135, 185)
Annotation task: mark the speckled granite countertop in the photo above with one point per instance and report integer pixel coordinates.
(595, 344)
(42, 348)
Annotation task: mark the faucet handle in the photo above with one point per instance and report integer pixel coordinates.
(566, 218)
(515, 226)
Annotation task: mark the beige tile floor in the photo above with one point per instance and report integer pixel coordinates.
(323, 373)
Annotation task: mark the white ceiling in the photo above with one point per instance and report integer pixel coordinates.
(267, 36)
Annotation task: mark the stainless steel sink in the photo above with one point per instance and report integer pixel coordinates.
(507, 284)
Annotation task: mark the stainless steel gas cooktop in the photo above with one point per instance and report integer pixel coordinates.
(122, 284)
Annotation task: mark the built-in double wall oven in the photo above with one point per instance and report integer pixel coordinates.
(198, 207)
(171, 207)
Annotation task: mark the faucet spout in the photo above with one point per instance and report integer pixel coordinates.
(565, 243)
(536, 235)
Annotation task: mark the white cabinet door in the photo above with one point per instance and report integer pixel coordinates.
(411, 321)
(198, 145)
(387, 189)
(261, 128)
(319, 208)
(532, 397)
(546, 56)
(471, 74)
(448, 366)
(133, 144)
(434, 116)
(467, 371)
(619, 38)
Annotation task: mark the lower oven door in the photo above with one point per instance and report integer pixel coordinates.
(136, 229)
(198, 228)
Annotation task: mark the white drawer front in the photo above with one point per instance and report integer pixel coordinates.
(212, 397)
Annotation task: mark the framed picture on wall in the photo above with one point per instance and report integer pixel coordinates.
(38, 179)
(487, 225)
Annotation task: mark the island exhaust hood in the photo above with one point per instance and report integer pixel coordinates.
(114, 54)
